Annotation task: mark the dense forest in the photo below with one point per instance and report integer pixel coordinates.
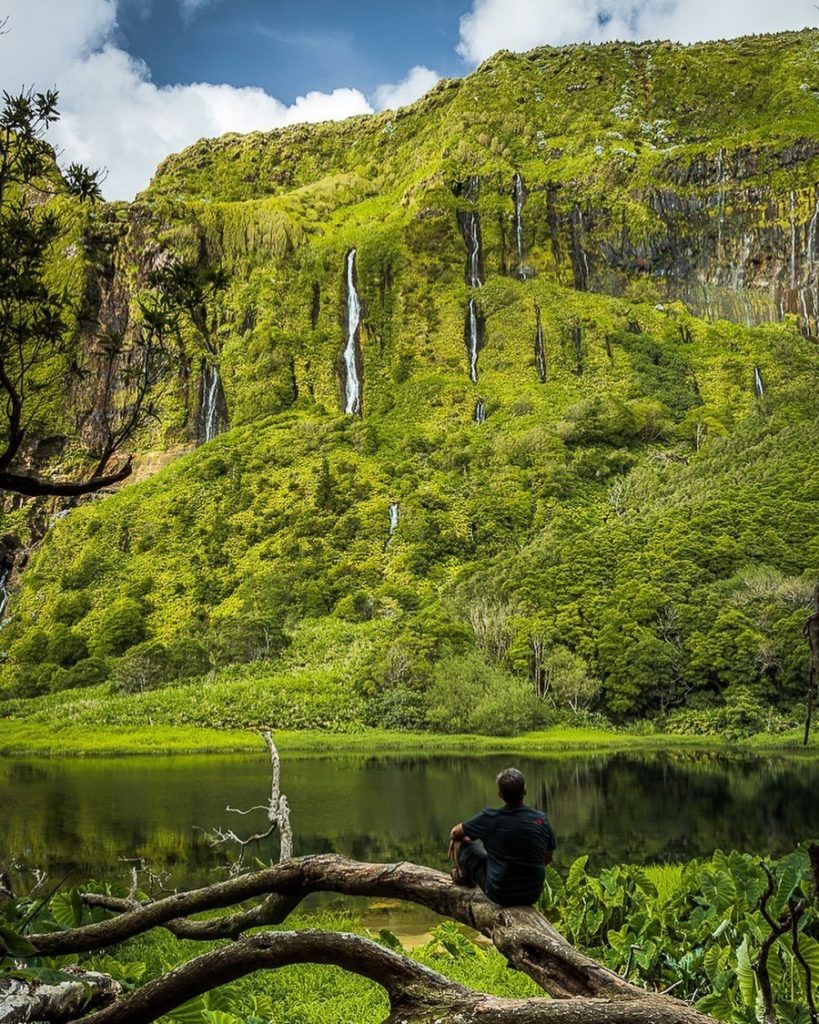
(493, 411)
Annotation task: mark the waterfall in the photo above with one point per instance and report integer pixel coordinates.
(480, 411)
(211, 402)
(582, 270)
(793, 240)
(540, 349)
(759, 387)
(470, 224)
(473, 338)
(395, 515)
(210, 390)
(352, 355)
(519, 199)
(811, 251)
(5, 572)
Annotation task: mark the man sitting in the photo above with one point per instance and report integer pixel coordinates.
(517, 840)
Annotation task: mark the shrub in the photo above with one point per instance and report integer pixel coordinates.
(401, 707)
(468, 695)
(71, 606)
(122, 625)
(145, 667)
(32, 648)
(65, 647)
(88, 672)
(187, 657)
(240, 640)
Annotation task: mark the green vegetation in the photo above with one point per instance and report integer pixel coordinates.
(53, 738)
(695, 926)
(635, 537)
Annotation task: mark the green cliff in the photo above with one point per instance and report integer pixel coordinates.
(584, 284)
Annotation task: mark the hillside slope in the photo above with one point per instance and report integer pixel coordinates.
(506, 394)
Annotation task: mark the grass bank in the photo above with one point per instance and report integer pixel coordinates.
(38, 739)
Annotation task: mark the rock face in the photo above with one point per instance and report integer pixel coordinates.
(649, 171)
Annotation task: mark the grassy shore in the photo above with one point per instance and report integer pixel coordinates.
(36, 739)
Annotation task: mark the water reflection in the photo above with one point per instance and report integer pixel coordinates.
(86, 814)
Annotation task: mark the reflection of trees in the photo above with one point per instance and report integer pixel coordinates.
(637, 808)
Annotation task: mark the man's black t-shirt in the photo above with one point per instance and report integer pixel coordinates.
(516, 839)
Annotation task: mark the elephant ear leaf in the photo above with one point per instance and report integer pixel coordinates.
(14, 944)
(577, 872)
(745, 974)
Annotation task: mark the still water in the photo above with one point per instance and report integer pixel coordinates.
(85, 816)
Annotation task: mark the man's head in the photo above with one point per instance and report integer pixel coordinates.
(511, 786)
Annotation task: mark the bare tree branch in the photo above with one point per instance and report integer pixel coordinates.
(523, 935)
(416, 993)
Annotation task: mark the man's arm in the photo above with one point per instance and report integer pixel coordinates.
(548, 857)
(456, 835)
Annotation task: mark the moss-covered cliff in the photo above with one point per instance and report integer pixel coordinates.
(586, 281)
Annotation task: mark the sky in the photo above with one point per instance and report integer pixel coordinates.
(140, 79)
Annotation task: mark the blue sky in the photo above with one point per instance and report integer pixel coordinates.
(140, 79)
(289, 49)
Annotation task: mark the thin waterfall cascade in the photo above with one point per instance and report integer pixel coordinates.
(351, 355)
(794, 245)
(759, 387)
(212, 405)
(474, 331)
(395, 515)
(519, 194)
(5, 572)
(480, 411)
(580, 258)
(540, 350)
(470, 224)
(811, 246)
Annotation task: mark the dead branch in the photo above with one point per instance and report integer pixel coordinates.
(278, 815)
(22, 1001)
(800, 956)
(417, 994)
(777, 930)
(521, 934)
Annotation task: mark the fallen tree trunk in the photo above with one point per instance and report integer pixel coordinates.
(417, 994)
(583, 991)
(23, 1001)
(521, 934)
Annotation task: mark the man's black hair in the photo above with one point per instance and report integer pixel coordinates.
(511, 785)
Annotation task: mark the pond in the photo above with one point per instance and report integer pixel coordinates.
(86, 814)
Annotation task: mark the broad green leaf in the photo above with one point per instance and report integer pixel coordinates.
(64, 909)
(745, 973)
(719, 890)
(191, 1012)
(809, 948)
(577, 872)
(718, 1004)
(594, 920)
(14, 943)
(220, 1017)
(712, 962)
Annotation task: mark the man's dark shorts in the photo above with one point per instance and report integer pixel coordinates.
(472, 862)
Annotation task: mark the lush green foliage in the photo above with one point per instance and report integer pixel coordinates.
(634, 534)
(697, 927)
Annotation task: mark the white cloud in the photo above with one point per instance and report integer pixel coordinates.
(417, 81)
(112, 114)
(493, 25)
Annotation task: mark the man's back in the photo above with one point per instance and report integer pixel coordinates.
(517, 840)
